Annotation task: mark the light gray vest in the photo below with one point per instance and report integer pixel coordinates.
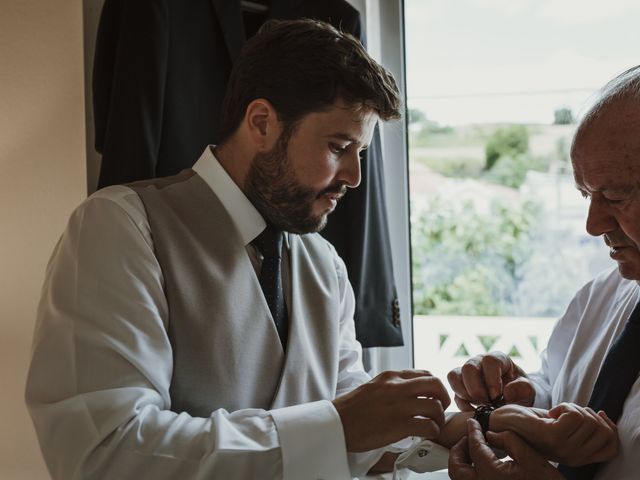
(226, 350)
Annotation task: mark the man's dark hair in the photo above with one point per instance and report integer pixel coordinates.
(304, 66)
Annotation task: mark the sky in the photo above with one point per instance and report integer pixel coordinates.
(487, 61)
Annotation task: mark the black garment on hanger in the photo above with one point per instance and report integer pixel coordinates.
(159, 76)
(160, 73)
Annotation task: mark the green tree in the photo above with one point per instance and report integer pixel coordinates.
(467, 262)
(511, 170)
(506, 141)
(563, 116)
(417, 116)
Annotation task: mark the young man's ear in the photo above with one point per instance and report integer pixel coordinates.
(262, 124)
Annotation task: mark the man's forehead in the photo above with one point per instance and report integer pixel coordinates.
(597, 174)
(346, 123)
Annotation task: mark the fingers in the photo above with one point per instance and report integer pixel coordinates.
(385, 410)
(606, 418)
(460, 465)
(513, 446)
(462, 396)
(407, 374)
(412, 383)
(601, 441)
(479, 451)
(525, 461)
(611, 448)
(494, 367)
(483, 377)
(568, 418)
(459, 453)
(428, 386)
(463, 405)
(468, 382)
(582, 435)
(587, 431)
(519, 391)
(428, 408)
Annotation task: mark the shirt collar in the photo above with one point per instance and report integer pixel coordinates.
(244, 215)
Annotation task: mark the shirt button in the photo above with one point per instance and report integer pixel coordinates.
(395, 306)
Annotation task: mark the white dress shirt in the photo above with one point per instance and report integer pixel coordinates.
(578, 345)
(124, 429)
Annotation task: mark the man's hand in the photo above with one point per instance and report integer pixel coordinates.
(567, 433)
(485, 377)
(392, 406)
(472, 458)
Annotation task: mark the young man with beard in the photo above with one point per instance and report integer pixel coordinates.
(196, 327)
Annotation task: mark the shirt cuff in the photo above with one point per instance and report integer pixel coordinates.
(312, 442)
(426, 456)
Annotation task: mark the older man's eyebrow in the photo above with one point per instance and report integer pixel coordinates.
(620, 190)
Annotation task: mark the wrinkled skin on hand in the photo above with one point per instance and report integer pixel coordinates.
(486, 377)
(473, 459)
(567, 433)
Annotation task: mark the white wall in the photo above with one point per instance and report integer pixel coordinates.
(42, 178)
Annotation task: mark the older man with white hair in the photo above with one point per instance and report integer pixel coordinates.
(593, 356)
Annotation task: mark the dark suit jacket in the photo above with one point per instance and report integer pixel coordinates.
(160, 73)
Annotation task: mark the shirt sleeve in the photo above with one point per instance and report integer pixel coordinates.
(101, 366)
(352, 373)
(553, 357)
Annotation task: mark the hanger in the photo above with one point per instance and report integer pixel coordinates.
(254, 7)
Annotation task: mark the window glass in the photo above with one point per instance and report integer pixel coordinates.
(498, 229)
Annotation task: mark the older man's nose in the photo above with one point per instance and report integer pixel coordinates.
(599, 219)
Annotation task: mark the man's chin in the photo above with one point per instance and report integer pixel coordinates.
(629, 270)
(318, 224)
(309, 225)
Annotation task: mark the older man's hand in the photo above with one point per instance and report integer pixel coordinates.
(486, 377)
(568, 433)
(473, 459)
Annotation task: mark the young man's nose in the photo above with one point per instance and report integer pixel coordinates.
(350, 170)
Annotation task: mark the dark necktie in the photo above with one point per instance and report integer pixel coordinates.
(269, 242)
(618, 374)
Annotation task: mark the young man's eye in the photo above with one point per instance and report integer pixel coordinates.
(335, 148)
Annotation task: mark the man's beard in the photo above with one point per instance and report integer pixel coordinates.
(274, 191)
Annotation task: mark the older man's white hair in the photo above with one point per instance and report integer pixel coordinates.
(624, 86)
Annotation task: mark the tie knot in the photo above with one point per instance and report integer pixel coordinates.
(269, 242)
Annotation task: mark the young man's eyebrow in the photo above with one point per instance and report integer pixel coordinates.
(343, 136)
(348, 138)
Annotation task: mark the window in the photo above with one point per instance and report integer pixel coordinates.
(497, 228)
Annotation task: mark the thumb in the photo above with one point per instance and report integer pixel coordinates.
(513, 446)
(520, 391)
